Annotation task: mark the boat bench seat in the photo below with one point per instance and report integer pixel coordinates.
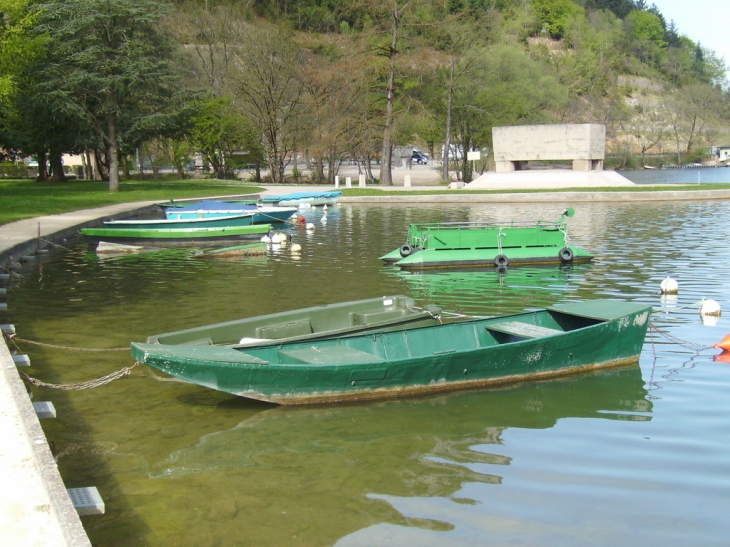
(289, 329)
(329, 355)
(523, 330)
(360, 318)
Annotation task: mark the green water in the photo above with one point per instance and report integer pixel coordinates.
(638, 456)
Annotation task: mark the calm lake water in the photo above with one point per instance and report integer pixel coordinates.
(638, 456)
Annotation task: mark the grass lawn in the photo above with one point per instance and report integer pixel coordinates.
(21, 199)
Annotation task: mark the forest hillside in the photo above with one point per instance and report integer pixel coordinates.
(263, 82)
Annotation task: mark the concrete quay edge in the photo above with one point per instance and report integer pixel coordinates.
(35, 508)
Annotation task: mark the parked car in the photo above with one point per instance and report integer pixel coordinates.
(419, 157)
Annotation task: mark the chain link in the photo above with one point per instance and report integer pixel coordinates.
(687, 344)
(82, 385)
(13, 338)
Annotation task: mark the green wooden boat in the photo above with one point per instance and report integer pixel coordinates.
(175, 236)
(308, 324)
(473, 244)
(556, 341)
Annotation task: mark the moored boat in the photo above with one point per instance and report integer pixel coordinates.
(307, 323)
(241, 218)
(473, 244)
(556, 341)
(175, 236)
(300, 198)
(209, 209)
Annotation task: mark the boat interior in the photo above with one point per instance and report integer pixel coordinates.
(424, 341)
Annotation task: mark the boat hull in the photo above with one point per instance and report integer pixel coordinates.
(303, 198)
(465, 258)
(222, 221)
(175, 237)
(456, 356)
(261, 215)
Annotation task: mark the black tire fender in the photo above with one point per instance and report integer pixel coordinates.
(566, 254)
(501, 261)
(406, 250)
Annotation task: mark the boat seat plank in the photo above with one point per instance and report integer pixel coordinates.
(523, 330)
(300, 327)
(330, 355)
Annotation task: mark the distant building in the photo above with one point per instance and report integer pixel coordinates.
(723, 152)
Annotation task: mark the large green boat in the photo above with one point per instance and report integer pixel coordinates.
(308, 323)
(175, 236)
(556, 341)
(473, 244)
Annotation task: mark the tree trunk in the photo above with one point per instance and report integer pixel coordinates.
(42, 167)
(386, 176)
(113, 155)
(447, 145)
(57, 167)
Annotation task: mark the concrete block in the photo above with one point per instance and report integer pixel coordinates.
(3, 306)
(87, 500)
(4, 277)
(21, 360)
(44, 409)
(7, 329)
(3, 290)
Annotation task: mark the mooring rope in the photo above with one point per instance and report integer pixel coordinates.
(82, 385)
(687, 344)
(54, 244)
(13, 338)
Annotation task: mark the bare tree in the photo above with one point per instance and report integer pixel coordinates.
(270, 91)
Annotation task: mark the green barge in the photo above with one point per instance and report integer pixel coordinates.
(478, 244)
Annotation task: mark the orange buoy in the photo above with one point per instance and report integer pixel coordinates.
(724, 344)
(302, 220)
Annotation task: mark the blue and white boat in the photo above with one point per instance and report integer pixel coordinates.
(239, 218)
(300, 198)
(210, 209)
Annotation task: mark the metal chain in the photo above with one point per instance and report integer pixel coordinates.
(13, 338)
(82, 385)
(687, 344)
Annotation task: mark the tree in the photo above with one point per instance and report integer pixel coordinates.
(108, 65)
(220, 134)
(269, 91)
(554, 14)
(395, 12)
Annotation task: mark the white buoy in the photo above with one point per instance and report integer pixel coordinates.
(266, 239)
(710, 307)
(669, 286)
(296, 248)
(324, 208)
(278, 238)
(310, 227)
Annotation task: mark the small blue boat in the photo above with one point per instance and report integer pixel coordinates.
(300, 198)
(217, 209)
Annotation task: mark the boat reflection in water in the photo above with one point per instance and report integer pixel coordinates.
(489, 290)
(428, 442)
